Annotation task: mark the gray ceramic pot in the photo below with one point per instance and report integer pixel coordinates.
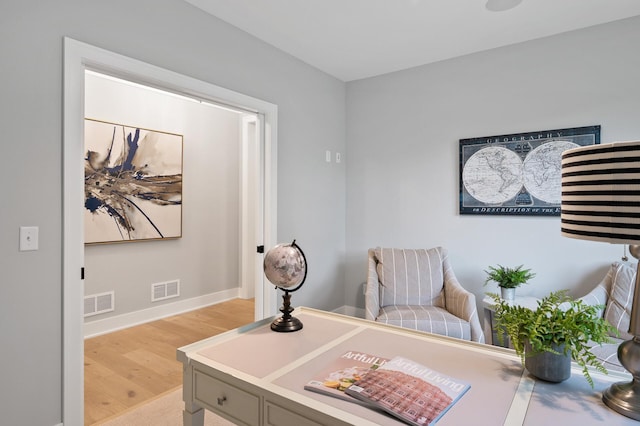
(548, 366)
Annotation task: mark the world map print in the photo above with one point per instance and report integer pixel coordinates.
(517, 174)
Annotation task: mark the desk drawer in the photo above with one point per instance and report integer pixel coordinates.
(276, 415)
(224, 397)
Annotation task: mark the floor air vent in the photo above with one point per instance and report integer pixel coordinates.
(165, 290)
(98, 303)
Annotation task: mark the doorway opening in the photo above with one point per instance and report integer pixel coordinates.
(259, 125)
(218, 201)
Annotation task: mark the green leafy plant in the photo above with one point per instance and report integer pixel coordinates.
(508, 277)
(556, 321)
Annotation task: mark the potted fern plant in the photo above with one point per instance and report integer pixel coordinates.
(547, 338)
(508, 279)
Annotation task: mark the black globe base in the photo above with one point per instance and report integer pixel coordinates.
(286, 322)
(285, 325)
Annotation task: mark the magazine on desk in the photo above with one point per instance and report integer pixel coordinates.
(343, 372)
(410, 391)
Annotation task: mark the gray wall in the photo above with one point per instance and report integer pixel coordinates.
(176, 36)
(403, 134)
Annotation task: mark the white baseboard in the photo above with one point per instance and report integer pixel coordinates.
(119, 322)
(352, 311)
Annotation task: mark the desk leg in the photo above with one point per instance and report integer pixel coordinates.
(192, 418)
(488, 326)
(193, 414)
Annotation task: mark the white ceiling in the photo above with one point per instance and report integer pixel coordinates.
(354, 39)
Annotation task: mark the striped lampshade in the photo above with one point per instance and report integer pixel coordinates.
(601, 193)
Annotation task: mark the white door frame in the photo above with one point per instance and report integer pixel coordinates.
(250, 203)
(78, 57)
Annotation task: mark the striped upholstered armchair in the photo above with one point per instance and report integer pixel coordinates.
(615, 293)
(417, 289)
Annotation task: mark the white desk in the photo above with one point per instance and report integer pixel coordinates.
(254, 376)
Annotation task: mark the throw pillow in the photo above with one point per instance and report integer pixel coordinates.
(410, 276)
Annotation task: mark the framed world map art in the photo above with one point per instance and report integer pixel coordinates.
(517, 174)
(133, 183)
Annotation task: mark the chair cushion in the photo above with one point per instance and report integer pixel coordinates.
(410, 276)
(431, 319)
(618, 308)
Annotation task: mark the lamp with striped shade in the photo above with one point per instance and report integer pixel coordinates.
(601, 202)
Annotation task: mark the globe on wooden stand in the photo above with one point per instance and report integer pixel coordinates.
(285, 266)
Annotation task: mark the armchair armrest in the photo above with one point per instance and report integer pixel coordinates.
(372, 291)
(461, 303)
(599, 294)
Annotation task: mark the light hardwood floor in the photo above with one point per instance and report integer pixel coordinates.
(128, 367)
